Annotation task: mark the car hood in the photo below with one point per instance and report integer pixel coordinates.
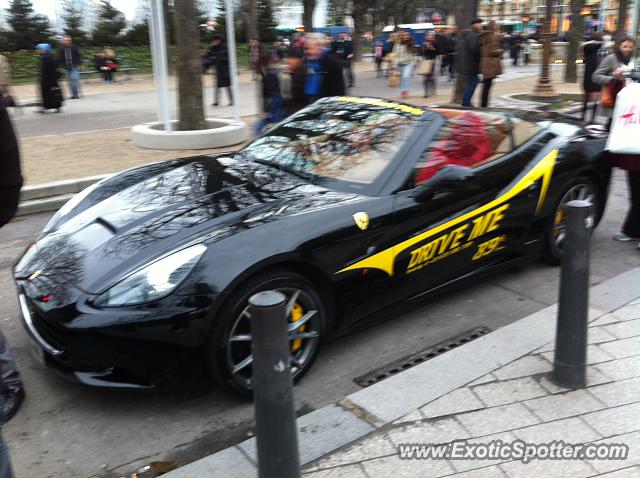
(160, 209)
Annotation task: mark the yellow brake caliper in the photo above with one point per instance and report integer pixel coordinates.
(296, 314)
(558, 220)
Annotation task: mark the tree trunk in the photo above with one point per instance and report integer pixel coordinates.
(190, 107)
(357, 14)
(307, 15)
(463, 12)
(252, 20)
(577, 25)
(623, 8)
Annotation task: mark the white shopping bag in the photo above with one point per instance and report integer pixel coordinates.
(625, 128)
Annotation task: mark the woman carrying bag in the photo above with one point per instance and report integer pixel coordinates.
(427, 66)
(610, 73)
(404, 58)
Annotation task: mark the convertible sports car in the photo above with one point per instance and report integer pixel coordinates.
(348, 207)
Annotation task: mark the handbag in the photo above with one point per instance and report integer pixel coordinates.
(394, 79)
(609, 93)
(625, 127)
(425, 67)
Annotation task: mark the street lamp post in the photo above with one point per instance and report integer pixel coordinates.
(160, 63)
(544, 88)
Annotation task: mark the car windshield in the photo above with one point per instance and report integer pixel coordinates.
(348, 139)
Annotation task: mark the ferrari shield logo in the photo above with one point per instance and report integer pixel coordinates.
(362, 220)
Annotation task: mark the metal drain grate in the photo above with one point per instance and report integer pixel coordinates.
(414, 359)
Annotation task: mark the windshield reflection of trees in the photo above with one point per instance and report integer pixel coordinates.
(333, 139)
(211, 189)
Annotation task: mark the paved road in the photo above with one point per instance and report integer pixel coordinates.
(68, 430)
(124, 109)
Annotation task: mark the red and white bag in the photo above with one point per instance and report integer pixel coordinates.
(624, 137)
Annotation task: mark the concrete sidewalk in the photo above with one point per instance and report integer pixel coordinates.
(497, 387)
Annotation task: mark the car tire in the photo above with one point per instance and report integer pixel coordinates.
(223, 353)
(581, 187)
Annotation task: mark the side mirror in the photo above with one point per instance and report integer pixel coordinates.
(449, 177)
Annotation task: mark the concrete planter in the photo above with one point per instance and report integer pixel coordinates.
(221, 133)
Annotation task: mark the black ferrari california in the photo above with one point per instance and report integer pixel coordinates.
(348, 207)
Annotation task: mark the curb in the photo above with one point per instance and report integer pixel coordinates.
(365, 411)
(51, 196)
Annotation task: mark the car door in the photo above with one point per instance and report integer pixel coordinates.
(466, 224)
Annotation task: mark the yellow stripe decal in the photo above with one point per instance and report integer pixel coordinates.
(385, 104)
(543, 170)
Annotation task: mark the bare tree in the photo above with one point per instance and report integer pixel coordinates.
(190, 106)
(307, 15)
(577, 26)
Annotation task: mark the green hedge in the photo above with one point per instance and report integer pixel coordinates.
(24, 64)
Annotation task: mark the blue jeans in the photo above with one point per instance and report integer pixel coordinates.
(472, 82)
(405, 72)
(274, 114)
(5, 460)
(74, 76)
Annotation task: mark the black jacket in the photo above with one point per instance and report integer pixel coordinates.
(76, 58)
(470, 54)
(219, 59)
(590, 54)
(333, 80)
(11, 177)
(343, 48)
(270, 86)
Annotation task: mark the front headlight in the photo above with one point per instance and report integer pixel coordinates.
(153, 281)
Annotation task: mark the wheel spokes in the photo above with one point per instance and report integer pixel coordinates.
(244, 364)
(302, 320)
(240, 338)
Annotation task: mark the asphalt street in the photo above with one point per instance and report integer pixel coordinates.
(121, 109)
(65, 429)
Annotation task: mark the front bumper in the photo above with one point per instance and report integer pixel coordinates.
(112, 350)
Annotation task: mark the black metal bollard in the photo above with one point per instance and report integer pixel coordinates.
(276, 430)
(569, 364)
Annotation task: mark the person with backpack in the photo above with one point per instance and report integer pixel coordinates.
(591, 58)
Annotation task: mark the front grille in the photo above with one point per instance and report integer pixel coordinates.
(51, 333)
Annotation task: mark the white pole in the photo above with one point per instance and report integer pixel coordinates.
(160, 65)
(233, 61)
(634, 20)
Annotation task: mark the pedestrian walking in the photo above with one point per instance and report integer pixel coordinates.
(452, 48)
(490, 59)
(378, 54)
(254, 58)
(470, 61)
(610, 74)
(527, 50)
(405, 60)
(295, 98)
(428, 65)
(324, 70)
(8, 99)
(50, 93)
(516, 47)
(343, 49)
(273, 110)
(11, 387)
(219, 59)
(591, 59)
(70, 58)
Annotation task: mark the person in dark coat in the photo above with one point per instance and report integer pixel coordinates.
(11, 388)
(430, 53)
(470, 61)
(49, 88)
(343, 49)
(324, 70)
(219, 59)
(591, 58)
(295, 96)
(273, 110)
